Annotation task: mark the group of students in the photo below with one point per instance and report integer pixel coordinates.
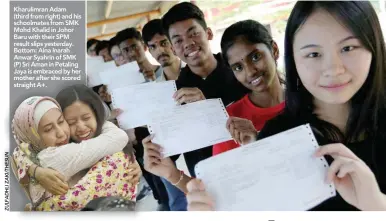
(335, 68)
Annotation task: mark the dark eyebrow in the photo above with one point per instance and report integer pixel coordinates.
(315, 46)
(175, 36)
(190, 29)
(348, 38)
(49, 124)
(164, 40)
(253, 52)
(310, 46)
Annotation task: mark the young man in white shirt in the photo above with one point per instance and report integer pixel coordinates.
(133, 49)
(161, 49)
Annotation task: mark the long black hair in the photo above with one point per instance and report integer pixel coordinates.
(80, 92)
(368, 105)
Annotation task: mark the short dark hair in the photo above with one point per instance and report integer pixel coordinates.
(80, 92)
(252, 31)
(96, 88)
(180, 12)
(101, 45)
(152, 28)
(113, 42)
(91, 42)
(128, 33)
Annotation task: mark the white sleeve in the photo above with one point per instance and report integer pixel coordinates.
(71, 158)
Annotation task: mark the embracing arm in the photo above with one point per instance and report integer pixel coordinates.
(71, 158)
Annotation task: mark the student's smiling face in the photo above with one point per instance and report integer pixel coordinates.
(191, 41)
(332, 63)
(253, 64)
(82, 121)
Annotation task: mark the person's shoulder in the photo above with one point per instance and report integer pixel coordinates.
(185, 72)
(282, 122)
(236, 106)
(222, 65)
(219, 57)
(185, 77)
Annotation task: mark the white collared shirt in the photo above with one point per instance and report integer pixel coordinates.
(162, 77)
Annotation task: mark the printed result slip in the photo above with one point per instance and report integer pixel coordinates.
(278, 173)
(141, 102)
(190, 127)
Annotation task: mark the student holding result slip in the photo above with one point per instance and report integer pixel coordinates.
(336, 83)
(161, 49)
(116, 53)
(205, 76)
(102, 49)
(249, 50)
(133, 48)
(91, 44)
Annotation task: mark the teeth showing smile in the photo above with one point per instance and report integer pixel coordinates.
(85, 135)
(257, 80)
(192, 53)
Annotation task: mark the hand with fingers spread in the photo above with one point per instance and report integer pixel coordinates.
(153, 161)
(135, 173)
(198, 199)
(352, 178)
(51, 180)
(242, 130)
(188, 95)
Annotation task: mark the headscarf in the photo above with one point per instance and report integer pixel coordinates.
(26, 120)
(24, 128)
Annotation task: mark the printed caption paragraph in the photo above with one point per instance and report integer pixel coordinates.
(42, 47)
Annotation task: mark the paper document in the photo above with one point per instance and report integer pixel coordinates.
(278, 173)
(190, 127)
(124, 75)
(95, 65)
(141, 102)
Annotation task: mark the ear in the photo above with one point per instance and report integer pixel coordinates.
(209, 33)
(275, 51)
